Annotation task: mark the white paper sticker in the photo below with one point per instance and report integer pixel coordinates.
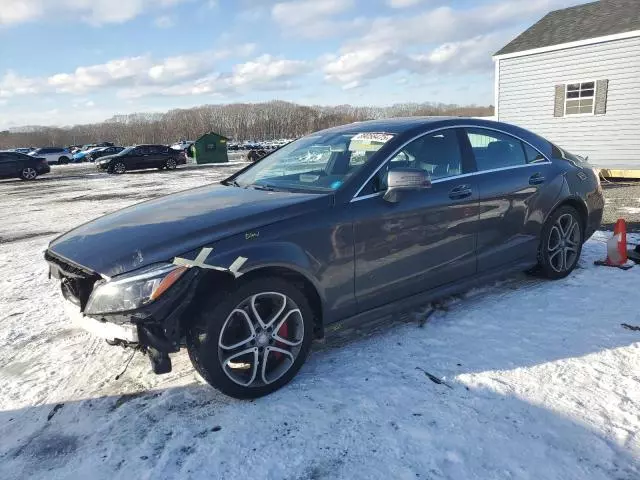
(371, 137)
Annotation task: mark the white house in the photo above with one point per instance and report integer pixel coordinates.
(574, 78)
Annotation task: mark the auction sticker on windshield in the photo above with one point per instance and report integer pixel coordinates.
(369, 141)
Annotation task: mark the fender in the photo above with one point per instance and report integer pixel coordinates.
(250, 258)
(567, 196)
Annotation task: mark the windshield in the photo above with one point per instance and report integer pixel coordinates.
(126, 150)
(318, 162)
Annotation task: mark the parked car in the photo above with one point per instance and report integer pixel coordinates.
(54, 155)
(255, 155)
(103, 152)
(392, 215)
(83, 155)
(140, 157)
(24, 150)
(182, 145)
(25, 167)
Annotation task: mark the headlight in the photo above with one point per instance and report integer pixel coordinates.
(131, 291)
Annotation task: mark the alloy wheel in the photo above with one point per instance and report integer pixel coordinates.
(171, 164)
(563, 245)
(119, 167)
(29, 173)
(261, 339)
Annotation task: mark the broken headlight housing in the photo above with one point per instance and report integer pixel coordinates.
(133, 290)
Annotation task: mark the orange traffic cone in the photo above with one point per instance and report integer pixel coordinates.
(617, 246)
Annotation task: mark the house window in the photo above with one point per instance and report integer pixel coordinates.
(580, 98)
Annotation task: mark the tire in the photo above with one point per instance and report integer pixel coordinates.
(118, 168)
(171, 164)
(215, 333)
(28, 173)
(63, 160)
(560, 243)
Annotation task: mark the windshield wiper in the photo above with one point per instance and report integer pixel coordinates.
(232, 183)
(258, 186)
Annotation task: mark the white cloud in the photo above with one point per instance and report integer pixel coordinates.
(441, 40)
(262, 73)
(130, 72)
(12, 84)
(403, 3)
(354, 68)
(164, 21)
(313, 18)
(266, 70)
(18, 11)
(446, 24)
(96, 12)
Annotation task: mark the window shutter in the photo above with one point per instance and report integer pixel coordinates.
(602, 90)
(559, 105)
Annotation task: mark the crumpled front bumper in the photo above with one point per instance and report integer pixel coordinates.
(113, 332)
(158, 325)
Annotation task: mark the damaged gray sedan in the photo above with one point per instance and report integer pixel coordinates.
(336, 229)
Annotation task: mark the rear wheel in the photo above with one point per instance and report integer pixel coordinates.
(252, 341)
(171, 164)
(63, 160)
(560, 243)
(28, 173)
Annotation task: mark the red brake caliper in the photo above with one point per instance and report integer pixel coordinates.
(283, 333)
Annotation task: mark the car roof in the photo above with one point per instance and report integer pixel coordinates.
(390, 125)
(404, 127)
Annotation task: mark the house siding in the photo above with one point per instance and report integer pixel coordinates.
(526, 97)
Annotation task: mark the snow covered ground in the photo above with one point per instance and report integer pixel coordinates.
(542, 381)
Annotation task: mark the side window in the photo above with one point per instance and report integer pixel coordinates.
(533, 155)
(437, 153)
(154, 150)
(142, 150)
(495, 149)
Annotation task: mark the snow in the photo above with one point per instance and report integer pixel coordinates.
(545, 383)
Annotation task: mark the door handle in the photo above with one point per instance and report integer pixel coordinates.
(536, 179)
(459, 192)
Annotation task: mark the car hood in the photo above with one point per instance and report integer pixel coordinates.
(158, 230)
(106, 158)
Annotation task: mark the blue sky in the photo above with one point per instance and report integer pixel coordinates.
(66, 62)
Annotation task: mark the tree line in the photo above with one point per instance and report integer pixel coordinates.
(240, 121)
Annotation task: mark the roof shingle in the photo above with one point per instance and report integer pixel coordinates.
(590, 20)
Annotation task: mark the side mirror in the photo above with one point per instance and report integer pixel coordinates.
(404, 180)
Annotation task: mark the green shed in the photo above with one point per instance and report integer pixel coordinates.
(210, 148)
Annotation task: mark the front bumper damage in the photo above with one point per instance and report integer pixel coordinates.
(156, 328)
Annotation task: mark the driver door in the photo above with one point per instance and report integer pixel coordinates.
(425, 240)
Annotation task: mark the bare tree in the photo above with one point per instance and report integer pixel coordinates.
(240, 121)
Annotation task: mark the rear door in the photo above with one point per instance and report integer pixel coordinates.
(8, 165)
(160, 156)
(425, 240)
(511, 176)
(139, 158)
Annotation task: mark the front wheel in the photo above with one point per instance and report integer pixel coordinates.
(119, 168)
(63, 160)
(253, 340)
(560, 243)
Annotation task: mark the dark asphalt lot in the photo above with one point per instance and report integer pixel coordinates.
(622, 200)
